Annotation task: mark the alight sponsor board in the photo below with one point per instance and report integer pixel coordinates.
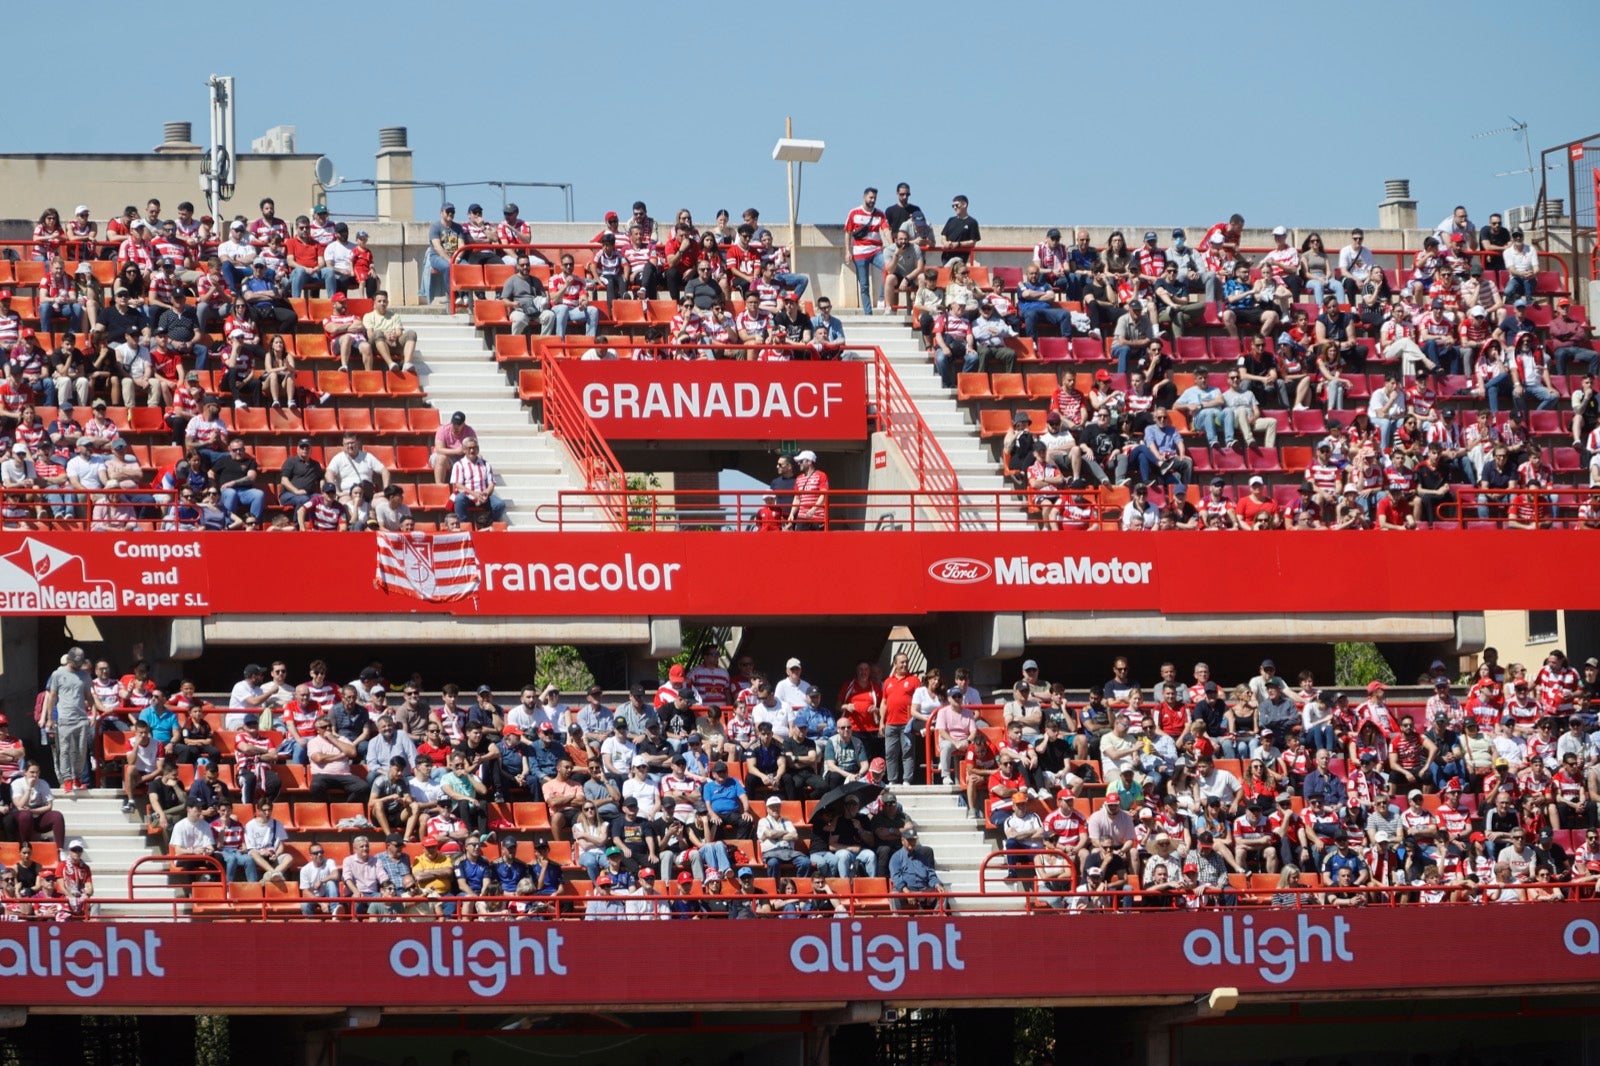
(903, 574)
(679, 400)
(803, 962)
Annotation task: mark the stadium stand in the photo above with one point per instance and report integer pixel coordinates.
(1260, 787)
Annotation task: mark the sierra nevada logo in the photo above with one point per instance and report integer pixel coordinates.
(38, 578)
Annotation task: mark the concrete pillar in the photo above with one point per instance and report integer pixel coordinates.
(1398, 210)
(395, 204)
(19, 666)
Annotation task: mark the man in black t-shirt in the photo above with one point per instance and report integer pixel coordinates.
(1494, 238)
(233, 473)
(122, 316)
(300, 477)
(907, 216)
(794, 323)
(960, 232)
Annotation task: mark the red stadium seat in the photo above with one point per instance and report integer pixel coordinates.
(368, 382)
(412, 459)
(510, 346)
(1042, 386)
(320, 421)
(530, 385)
(355, 420)
(489, 313)
(1007, 386)
(424, 420)
(973, 387)
(334, 383)
(390, 420)
(1053, 349)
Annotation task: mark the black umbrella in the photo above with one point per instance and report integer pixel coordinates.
(833, 802)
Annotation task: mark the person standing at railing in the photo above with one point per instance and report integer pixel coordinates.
(864, 230)
(810, 509)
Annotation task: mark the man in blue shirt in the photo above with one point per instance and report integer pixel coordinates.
(726, 803)
(1203, 405)
(911, 870)
(163, 720)
(1321, 782)
(827, 332)
(1038, 301)
(1343, 856)
(817, 719)
(1162, 457)
(473, 869)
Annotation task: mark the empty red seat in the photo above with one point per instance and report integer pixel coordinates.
(424, 419)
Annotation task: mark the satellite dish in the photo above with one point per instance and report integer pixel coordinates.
(323, 170)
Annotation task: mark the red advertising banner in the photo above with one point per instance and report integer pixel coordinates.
(679, 400)
(794, 963)
(704, 574)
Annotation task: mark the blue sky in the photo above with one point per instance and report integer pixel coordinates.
(1293, 117)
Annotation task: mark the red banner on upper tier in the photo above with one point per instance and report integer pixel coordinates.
(793, 963)
(677, 400)
(734, 575)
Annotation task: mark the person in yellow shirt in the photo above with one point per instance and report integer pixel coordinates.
(434, 874)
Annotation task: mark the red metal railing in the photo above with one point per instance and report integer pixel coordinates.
(1558, 506)
(206, 897)
(1403, 257)
(910, 510)
(894, 412)
(582, 254)
(603, 478)
(94, 509)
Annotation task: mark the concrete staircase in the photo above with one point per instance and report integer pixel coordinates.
(957, 842)
(112, 842)
(459, 374)
(952, 424)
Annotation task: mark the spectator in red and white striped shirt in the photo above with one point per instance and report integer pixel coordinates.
(472, 482)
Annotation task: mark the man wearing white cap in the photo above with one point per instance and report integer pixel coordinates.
(75, 879)
(237, 254)
(810, 508)
(1284, 263)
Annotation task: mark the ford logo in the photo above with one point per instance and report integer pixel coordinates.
(960, 571)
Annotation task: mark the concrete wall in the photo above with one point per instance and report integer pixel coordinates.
(109, 182)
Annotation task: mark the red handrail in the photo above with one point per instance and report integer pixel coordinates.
(901, 419)
(1402, 256)
(680, 510)
(1541, 508)
(603, 476)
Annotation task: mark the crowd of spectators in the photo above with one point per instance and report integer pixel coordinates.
(703, 777)
(1455, 348)
(191, 307)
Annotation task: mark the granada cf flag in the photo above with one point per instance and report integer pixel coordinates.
(435, 567)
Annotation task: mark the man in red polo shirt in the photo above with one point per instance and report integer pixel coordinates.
(899, 690)
(1254, 503)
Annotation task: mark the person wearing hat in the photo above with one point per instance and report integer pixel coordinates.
(990, 332)
(809, 511)
(1522, 266)
(64, 720)
(911, 871)
(479, 231)
(346, 333)
(779, 841)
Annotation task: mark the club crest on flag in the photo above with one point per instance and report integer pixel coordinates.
(436, 568)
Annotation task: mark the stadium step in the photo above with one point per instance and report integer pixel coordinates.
(459, 374)
(950, 423)
(957, 841)
(112, 843)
